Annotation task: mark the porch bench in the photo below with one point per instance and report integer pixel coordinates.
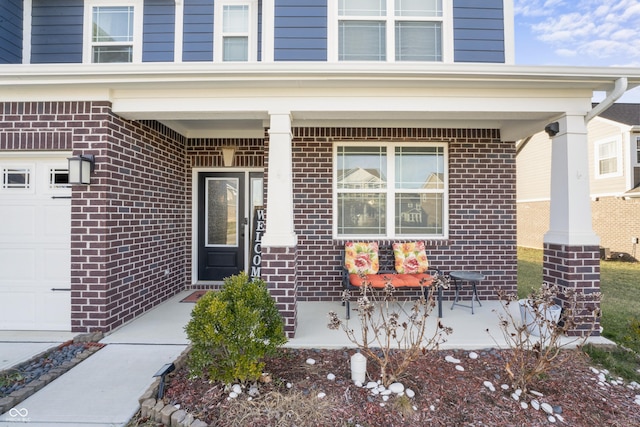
(360, 265)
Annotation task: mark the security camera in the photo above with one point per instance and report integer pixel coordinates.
(552, 129)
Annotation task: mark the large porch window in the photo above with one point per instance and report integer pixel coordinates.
(390, 191)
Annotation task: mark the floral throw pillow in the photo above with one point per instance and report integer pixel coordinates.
(410, 258)
(361, 257)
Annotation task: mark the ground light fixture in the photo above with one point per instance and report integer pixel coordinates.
(80, 169)
(162, 373)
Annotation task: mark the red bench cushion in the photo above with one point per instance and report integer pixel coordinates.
(397, 280)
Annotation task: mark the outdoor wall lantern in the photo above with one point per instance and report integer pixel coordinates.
(80, 169)
(227, 156)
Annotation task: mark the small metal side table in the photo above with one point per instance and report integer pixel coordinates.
(470, 277)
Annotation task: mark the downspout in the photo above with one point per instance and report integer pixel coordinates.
(619, 88)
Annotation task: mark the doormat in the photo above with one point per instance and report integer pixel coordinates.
(194, 296)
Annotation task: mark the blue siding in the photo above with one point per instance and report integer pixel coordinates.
(300, 30)
(197, 42)
(56, 32)
(158, 30)
(478, 31)
(11, 13)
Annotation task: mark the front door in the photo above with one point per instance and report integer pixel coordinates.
(225, 203)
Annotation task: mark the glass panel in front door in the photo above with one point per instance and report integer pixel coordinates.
(222, 212)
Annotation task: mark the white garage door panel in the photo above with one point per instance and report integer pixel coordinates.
(19, 310)
(17, 265)
(36, 311)
(35, 248)
(56, 221)
(17, 221)
(56, 265)
(56, 309)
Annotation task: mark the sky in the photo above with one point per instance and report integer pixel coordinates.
(589, 33)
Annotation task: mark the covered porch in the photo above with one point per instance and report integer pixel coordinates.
(165, 324)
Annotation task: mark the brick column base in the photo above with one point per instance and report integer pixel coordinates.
(576, 268)
(279, 272)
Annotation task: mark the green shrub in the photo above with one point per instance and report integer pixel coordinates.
(232, 330)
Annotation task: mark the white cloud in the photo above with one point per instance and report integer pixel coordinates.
(567, 53)
(585, 27)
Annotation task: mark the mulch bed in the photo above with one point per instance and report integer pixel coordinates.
(444, 396)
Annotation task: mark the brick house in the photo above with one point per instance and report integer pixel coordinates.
(198, 111)
(614, 181)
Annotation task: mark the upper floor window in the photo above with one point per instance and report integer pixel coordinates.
(389, 190)
(113, 30)
(235, 30)
(390, 30)
(608, 161)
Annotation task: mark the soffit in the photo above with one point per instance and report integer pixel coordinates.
(209, 100)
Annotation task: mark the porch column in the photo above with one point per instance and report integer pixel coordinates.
(280, 184)
(571, 248)
(279, 243)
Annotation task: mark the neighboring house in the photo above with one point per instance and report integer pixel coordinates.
(614, 181)
(197, 111)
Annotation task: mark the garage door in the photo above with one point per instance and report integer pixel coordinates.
(35, 254)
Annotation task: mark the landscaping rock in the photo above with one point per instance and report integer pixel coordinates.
(547, 408)
(396, 388)
(452, 359)
(177, 417)
(146, 407)
(166, 413)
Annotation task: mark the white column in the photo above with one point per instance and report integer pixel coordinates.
(570, 206)
(280, 184)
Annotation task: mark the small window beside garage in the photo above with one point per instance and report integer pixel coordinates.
(16, 178)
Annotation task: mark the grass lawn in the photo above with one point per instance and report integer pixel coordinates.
(620, 286)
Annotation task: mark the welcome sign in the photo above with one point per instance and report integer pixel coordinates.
(259, 223)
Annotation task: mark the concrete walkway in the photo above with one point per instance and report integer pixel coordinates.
(104, 389)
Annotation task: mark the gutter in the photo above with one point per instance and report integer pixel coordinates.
(619, 88)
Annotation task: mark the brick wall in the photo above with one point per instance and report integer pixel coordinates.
(43, 125)
(615, 221)
(533, 223)
(575, 268)
(128, 239)
(482, 209)
(140, 218)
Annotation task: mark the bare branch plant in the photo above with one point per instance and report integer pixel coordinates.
(389, 336)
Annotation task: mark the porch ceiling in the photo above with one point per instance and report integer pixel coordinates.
(235, 100)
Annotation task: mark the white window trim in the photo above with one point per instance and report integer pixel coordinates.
(178, 31)
(447, 32)
(253, 28)
(138, 15)
(596, 157)
(26, 31)
(390, 191)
